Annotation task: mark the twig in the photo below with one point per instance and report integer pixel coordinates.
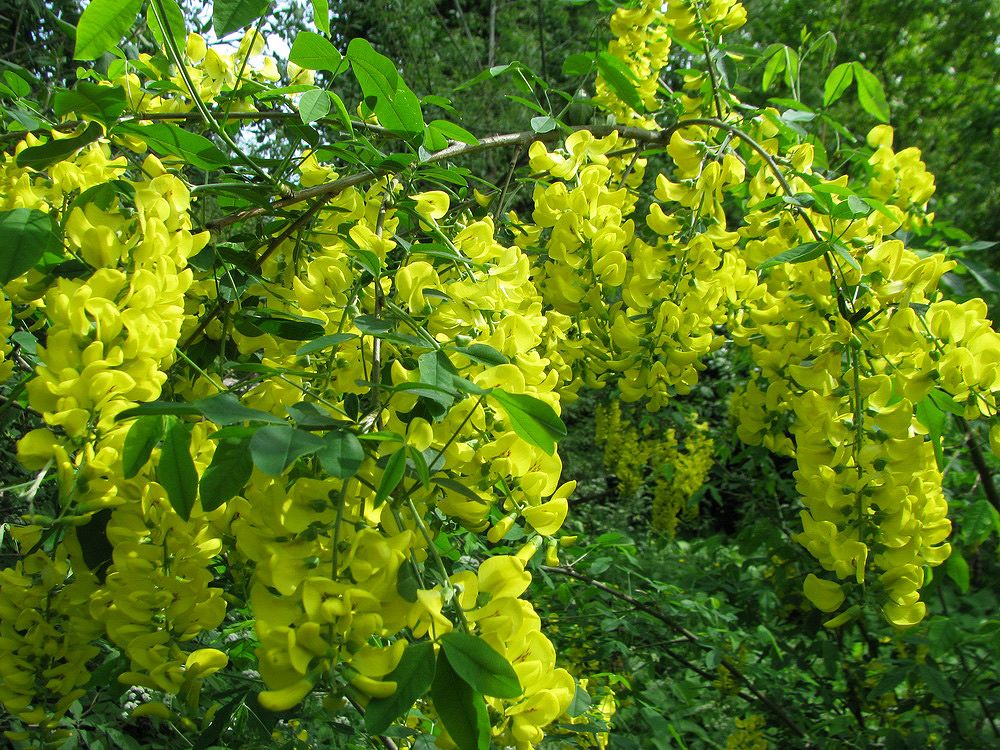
(670, 622)
(979, 461)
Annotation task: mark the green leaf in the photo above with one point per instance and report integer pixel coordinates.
(843, 252)
(544, 123)
(93, 539)
(888, 682)
(396, 107)
(260, 321)
(979, 521)
(58, 149)
(392, 475)
(175, 23)
(837, 83)
(274, 449)
(419, 465)
(176, 471)
(407, 582)
(230, 15)
(413, 677)
(26, 234)
(342, 113)
(102, 25)
(462, 710)
(228, 473)
(579, 64)
(332, 340)
(310, 417)
(341, 455)
(871, 94)
(321, 15)
(775, 65)
(434, 139)
(937, 683)
(314, 105)
(107, 103)
(483, 353)
(226, 409)
(929, 414)
(480, 665)
(798, 254)
(437, 371)
(314, 52)
(957, 569)
(534, 421)
(173, 408)
(455, 132)
(170, 140)
(619, 78)
(581, 702)
(142, 437)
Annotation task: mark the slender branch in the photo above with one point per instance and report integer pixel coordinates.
(979, 461)
(275, 243)
(455, 150)
(670, 622)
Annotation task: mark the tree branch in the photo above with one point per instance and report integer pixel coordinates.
(670, 622)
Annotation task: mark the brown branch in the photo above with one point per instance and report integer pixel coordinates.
(454, 151)
(291, 229)
(979, 461)
(670, 622)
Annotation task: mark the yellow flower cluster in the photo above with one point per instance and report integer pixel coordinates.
(635, 457)
(641, 312)
(109, 338)
(838, 387)
(46, 637)
(641, 45)
(848, 347)
(749, 734)
(679, 475)
(211, 72)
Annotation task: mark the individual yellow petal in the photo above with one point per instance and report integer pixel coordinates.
(286, 697)
(826, 596)
(204, 662)
(503, 576)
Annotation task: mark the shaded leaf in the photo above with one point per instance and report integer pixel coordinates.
(274, 449)
(413, 677)
(93, 538)
(170, 140)
(228, 473)
(531, 419)
(106, 103)
(58, 149)
(176, 471)
(25, 236)
(476, 662)
(230, 15)
(341, 455)
(140, 440)
(462, 710)
(102, 25)
(392, 475)
(799, 254)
